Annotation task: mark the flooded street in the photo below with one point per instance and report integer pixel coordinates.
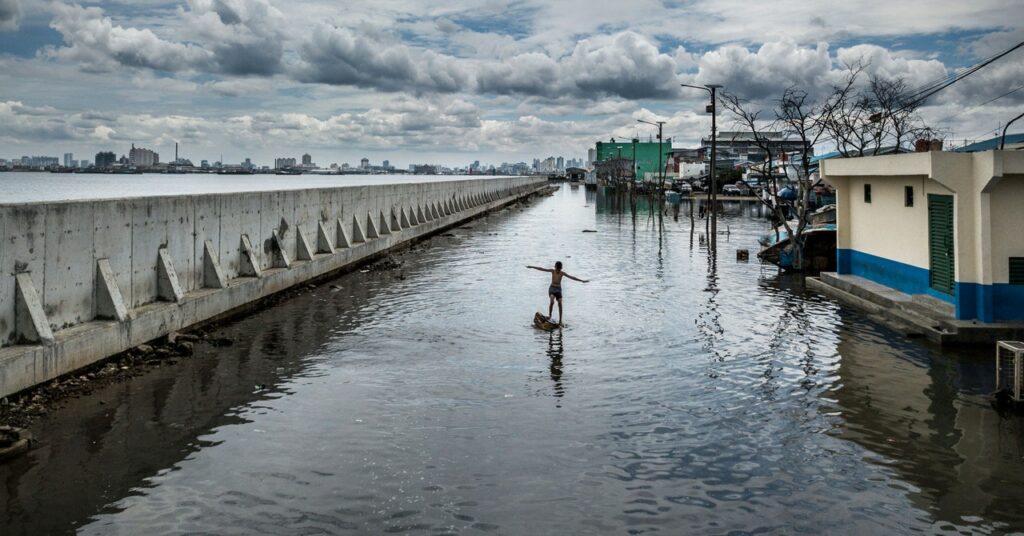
(685, 395)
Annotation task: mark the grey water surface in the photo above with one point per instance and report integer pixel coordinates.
(687, 395)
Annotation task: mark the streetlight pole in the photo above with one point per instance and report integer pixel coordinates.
(661, 168)
(713, 108)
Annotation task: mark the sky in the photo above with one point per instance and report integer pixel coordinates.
(453, 82)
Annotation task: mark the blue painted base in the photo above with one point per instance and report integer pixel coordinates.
(1000, 302)
(973, 301)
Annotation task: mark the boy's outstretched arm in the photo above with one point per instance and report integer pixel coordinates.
(539, 268)
(575, 278)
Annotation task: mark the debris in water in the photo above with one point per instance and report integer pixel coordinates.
(388, 263)
(590, 230)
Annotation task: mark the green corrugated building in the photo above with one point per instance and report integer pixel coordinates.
(646, 153)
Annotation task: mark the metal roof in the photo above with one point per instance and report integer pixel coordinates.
(990, 144)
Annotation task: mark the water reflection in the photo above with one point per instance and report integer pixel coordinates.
(555, 353)
(905, 403)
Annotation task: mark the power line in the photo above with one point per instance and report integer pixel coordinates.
(961, 112)
(920, 96)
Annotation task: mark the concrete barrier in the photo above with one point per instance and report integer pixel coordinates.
(83, 280)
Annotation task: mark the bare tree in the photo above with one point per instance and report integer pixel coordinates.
(877, 115)
(749, 119)
(800, 115)
(895, 114)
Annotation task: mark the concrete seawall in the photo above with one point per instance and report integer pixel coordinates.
(83, 280)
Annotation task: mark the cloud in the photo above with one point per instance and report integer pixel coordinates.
(884, 63)
(235, 37)
(766, 72)
(992, 82)
(10, 14)
(245, 37)
(472, 75)
(31, 123)
(95, 43)
(341, 56)
(626, 65)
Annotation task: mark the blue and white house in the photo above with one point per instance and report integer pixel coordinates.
(945, 224)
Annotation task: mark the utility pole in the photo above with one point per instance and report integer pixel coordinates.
(713, 108)
(661, 168)
(633, 178)
(714, 169)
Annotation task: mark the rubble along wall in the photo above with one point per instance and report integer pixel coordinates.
(83, 280)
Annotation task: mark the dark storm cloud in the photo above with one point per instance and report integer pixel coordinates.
(10, 14)
(244, 37)
(248, 59)
(340, 56)
(97, 45)
(226, 13)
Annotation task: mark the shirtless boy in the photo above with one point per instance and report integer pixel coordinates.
(555, 290)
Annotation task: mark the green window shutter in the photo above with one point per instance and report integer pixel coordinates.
(1017, 270)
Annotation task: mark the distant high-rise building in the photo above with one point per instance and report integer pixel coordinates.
(68, 157)
(140, 157)
(364, 163)
(307, 160)
(386, 164)
(205, 164)
(284, 163)
(247, 164)
(105, 160)
(560, 163)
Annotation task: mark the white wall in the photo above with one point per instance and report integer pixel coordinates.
(59, 244)
(885, 227)
(1007, 225)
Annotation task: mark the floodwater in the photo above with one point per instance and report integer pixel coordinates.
(685, 396)
(28, 187)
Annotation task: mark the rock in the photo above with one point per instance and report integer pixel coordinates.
(144, 348)
(185, 348)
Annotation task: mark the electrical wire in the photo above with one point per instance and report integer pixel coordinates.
(976, 106)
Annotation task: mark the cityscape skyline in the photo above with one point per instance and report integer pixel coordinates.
(143, 158)
(455, 83)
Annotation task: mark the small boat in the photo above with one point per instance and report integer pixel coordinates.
(825, 214)
(819, 248)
